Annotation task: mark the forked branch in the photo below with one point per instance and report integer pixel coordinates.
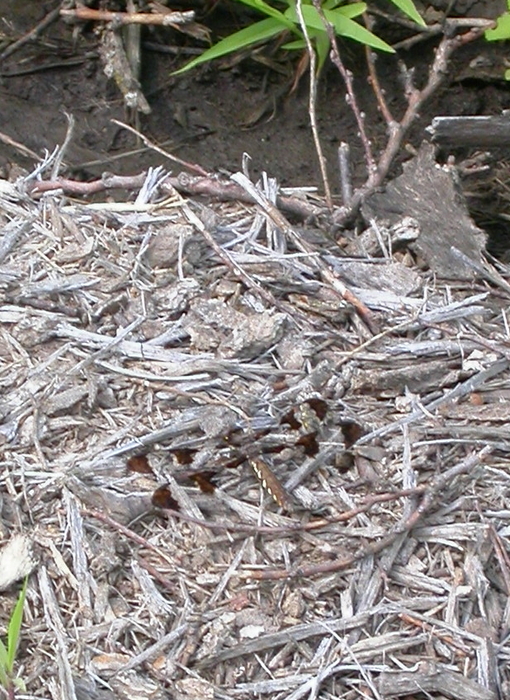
(378, 168)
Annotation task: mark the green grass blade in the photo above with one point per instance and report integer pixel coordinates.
(408, 8)
(293, 45)
(3, 655)
(354, 10)
(344, 26)
(501, 30)
(255, 33)
(322, 47)
(20, 684)
(268, 10)
(4, 676)
(13, 632)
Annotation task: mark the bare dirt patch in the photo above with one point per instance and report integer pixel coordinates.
(210, 116)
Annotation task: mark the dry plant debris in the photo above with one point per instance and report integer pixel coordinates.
(137, 333)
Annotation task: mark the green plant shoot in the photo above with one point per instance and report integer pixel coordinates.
(8, 652)
(277, 22)
(501, 32)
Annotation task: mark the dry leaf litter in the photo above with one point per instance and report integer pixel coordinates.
(123, 333)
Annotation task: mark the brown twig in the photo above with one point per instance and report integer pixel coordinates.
(156, 573)
(20, 147)
(127, 532)
(347, 77)
(312, 525)
(184, 183)
(432, 629)
(373, 79)
(124, 18)
(344, 167)
(416, 99)
(75, 187)
(226, 190)
(406, 44)
(190, 166)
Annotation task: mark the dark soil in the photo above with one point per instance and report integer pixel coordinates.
(202, 116)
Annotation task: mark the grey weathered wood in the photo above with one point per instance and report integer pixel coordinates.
(448, 683)
(479, 132)
(448, 243)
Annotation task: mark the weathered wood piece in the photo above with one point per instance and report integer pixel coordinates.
(478, 132)
(448, 239)
(452, 685)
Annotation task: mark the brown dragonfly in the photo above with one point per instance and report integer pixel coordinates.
(299, 428)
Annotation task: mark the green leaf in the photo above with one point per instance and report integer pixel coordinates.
(255, 33)
(408, 8)
(292, 45)
(13, 632)
(4, 677)
(20, 684)
(322, 47)
(354, 10)
(321, 43)
(268, 10)
(3, 655)
(344, 26)
(501, 30)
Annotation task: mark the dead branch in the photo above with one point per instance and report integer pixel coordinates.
(475, 132)
(398, 130)
(432, 680)
(75, 187)
(208, 185)
(126, 18)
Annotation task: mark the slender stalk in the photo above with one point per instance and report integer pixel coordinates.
(312, 103)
